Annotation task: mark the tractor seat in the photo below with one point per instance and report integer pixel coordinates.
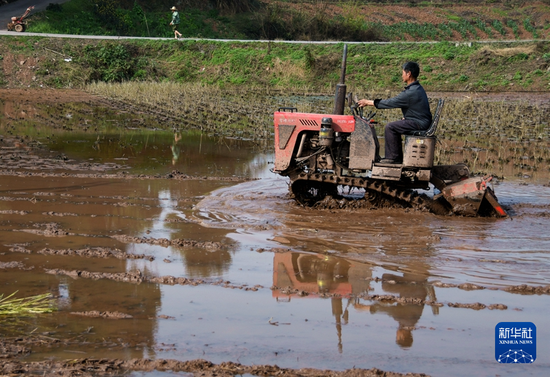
(433, 127)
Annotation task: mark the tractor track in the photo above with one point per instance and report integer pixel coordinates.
(377, 194)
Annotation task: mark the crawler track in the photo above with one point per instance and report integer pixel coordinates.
(311, 188)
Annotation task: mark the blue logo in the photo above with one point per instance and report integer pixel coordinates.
(515, 342)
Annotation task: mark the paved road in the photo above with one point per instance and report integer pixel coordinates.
(7, 11)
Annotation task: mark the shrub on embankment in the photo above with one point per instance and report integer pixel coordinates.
(62, 63)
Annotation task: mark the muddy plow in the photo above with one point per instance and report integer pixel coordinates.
(472, 197)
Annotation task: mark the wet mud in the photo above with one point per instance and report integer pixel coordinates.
(96, 314)
(199, 262)
(91, 367)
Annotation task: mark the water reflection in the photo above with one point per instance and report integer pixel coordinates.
(166, 221)
(320, 274)
(299, 275)
(175, 148)
(409, 286)
(161, 151)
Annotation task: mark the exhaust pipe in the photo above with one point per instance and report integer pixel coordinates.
(340, 95)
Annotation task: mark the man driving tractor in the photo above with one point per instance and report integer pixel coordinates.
(414, 104)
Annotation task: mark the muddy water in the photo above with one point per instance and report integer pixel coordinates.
(215, 262)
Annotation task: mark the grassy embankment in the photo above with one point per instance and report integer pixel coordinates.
(445, 66)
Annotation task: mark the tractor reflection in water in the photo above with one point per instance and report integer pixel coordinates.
(410, 292)
(302, 275)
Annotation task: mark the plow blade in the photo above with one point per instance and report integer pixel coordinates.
(473, 197)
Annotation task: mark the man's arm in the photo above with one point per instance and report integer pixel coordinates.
(365, 102)
(400, 101)
(397, 102)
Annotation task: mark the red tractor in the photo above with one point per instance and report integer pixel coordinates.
(327, 155)
(18, 23)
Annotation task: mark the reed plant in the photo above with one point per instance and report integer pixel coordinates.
(39, 304)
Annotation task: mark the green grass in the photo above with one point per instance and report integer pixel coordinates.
(76, 17)
(527, 24)
(277, 66)
(514, 26)
(498, 26)
(268, 22)
(80, 17)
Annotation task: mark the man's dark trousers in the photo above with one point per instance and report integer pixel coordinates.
(392, 135)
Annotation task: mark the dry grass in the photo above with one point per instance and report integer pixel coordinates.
(198, 106)
(287, 69)
(506, 137)
(511, 51)
(243, 113)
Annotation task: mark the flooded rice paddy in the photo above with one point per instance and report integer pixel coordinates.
(173, 245)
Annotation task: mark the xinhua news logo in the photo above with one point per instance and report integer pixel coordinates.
(515, 342)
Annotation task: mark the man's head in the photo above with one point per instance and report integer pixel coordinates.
(173, 9)
(404, 338)
(412, 68)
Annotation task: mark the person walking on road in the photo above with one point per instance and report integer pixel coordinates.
(175, 22)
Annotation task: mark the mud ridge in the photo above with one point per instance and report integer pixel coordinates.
(49, 230)
(137, 277)
(13, 212)
(123, 175)
(19, 265)
(90, 252)
(393, 299)
(59, 214)
(96, 252)
(98, 314)
(93, 367)
(476, 306)
(521, 289)
(167, 243)
(528, 289)
(19, 249)
(11, 350)
(12, 199)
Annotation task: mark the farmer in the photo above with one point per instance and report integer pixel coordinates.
(413, 102)
(175, 22)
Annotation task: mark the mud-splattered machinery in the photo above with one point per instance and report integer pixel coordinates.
(326, 155)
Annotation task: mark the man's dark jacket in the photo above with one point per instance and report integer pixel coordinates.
(413, 102)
